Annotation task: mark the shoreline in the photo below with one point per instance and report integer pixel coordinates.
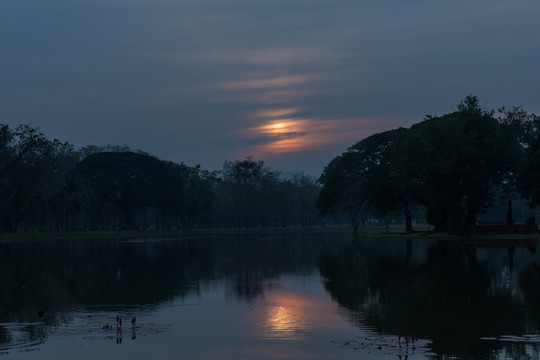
(394, 231)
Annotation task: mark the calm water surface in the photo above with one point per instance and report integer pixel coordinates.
(269, 297)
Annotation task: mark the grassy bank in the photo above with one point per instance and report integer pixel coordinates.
(130, 234)
(125, 234)
(345, 231)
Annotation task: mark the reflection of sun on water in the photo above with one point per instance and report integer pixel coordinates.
(289, 315)
(282, 320)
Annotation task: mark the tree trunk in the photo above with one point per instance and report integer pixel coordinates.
(408, 220)
(354, 213)
(509, 216)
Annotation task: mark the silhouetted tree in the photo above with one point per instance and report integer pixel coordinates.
(28, 167)
(454, 163)
(361, 181)
(527, 127)
(249, 185)
(342, 192)
(72, 198)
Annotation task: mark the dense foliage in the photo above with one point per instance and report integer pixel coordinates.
(454, 166)
(49, 186)
(360, 182)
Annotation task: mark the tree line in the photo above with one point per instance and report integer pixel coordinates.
(455, 167)
(445, 169)
(49, 185)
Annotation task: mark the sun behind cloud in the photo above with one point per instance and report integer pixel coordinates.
(284, 132)
(282, 129)
(279, 130)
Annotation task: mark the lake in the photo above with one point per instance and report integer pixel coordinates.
(293, 296)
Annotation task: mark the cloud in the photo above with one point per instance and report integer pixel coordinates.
(268, 83)
(272, 57)
(289, 130)
(202, 80)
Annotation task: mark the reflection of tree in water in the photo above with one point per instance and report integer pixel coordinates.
(54, 277)
(529, 281)
(57, 276)
(346, 273)
(449, 297)
(247, 263)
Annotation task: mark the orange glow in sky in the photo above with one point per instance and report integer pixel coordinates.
(284, 131)
(282, 127)
(264, 83)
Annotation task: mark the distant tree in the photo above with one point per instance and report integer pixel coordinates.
(95, 149)
(202, 187)
(67, 157)
(121, 178)
(248, 172)
(48, 184)
(28, 167)
(71, 199)
(247, 192)
(7, 159)
(140, 186)
(305, 192)
(135, 183)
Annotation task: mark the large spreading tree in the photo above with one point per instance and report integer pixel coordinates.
(361, 180)
(455, 165)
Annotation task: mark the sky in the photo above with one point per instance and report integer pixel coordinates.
(290, 82)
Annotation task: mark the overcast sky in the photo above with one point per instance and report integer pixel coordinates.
(292, 82)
